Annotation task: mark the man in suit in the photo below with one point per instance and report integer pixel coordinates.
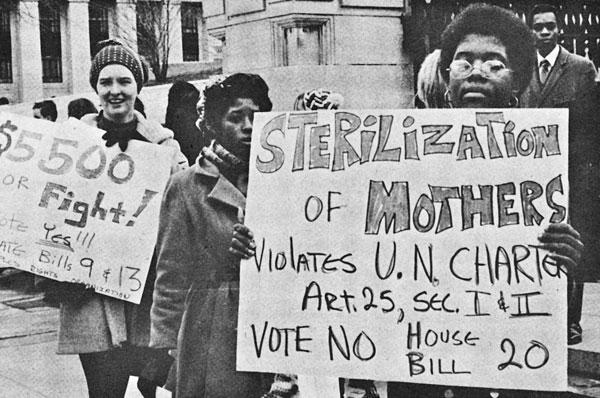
(565, 80)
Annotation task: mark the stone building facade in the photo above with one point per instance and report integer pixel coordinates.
(46, 45)
(353, 47)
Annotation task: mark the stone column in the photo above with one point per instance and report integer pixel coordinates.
(125, 23)
(175, 44)
(29, 51)
(79, 44)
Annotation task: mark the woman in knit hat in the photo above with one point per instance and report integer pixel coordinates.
(111, 336)
(197, 283)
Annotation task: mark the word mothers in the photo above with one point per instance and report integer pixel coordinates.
(537, 141)
(392, 206)
(57, 193)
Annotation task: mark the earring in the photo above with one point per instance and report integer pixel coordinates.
(513, 102)
(447, 99)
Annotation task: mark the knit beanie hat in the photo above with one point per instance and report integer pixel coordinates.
(318, 99)
(113, 52)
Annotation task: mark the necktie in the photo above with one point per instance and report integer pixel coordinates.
(544, 70)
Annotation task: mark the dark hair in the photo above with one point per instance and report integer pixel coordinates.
(541, 9)
(79, 107)
(220, 96)
(47, 109)
(4, 101)
(488, 20)
(139, 106)
(183, 96)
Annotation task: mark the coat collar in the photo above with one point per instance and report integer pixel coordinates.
(149, 129)
(223, 191)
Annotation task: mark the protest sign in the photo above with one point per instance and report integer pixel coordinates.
(74, 210)
(402, 246)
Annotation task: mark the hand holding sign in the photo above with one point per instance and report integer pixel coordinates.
(562, 240)
(242, 243)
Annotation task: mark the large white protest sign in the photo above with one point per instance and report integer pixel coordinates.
(76, 211)
(403, 246)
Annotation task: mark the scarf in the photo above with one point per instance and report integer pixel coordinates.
(232, 167)
(119, 133)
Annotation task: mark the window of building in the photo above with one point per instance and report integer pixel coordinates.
(50, 40)
(5, 47)
(302, 45)
(190, 15)
(98, 23)
(302, 41)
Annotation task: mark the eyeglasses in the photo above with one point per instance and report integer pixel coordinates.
(461, 68)
(538, 27)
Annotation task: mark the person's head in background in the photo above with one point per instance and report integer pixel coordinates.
(430, 84)
(543, 21)
(318, 99)
(4, 101)
(226, 111)
(45, 110)
(117, 74)
(183, 97)
(79, 107)
(487, 58)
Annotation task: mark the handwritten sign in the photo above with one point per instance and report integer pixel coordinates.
(402, 246)
(76, 211)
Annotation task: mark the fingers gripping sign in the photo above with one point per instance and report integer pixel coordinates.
(564, 244)
(242, 241)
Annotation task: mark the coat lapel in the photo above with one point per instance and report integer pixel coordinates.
(531, 96)
(223, 191)
(557, 71)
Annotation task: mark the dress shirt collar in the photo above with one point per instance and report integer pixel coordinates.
(551, 57)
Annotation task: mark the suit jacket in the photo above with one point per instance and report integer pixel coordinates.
(571, 84)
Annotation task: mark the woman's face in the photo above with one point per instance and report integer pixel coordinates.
(235, 129)
(117, 90)
(487, 85)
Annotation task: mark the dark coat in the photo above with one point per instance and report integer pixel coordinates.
(197, 285)
(183, 124)
(571, 84)
(94, 322)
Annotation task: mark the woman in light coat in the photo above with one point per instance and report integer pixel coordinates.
(111, 336)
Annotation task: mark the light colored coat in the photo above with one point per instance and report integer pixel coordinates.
(197, 285)
(97, 322)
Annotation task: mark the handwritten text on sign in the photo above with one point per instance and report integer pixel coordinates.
(76, 211)
(402, 245)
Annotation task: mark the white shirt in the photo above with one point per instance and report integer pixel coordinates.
(551, 57)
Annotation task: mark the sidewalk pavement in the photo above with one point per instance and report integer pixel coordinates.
(29, 367)
(584, 358)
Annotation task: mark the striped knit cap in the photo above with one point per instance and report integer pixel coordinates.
(113, 52)
(321, 99)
